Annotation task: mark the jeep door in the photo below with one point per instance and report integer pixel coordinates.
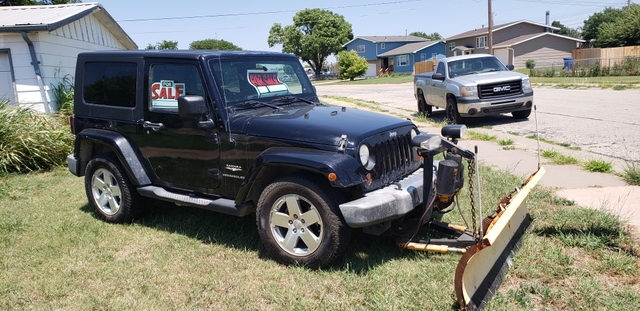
(181, 154)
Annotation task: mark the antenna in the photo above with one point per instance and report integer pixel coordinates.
(481, 234)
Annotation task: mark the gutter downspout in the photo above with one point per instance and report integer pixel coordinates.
(36, 69)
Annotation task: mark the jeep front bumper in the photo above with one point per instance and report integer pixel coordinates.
(391, 202)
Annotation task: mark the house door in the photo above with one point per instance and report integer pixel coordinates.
(7, 90)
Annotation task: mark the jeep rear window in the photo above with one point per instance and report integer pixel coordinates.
(244, 79)
(110, 83)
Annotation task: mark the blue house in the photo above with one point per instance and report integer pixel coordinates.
(395, 54)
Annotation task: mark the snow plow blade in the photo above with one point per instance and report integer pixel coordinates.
(484, 265)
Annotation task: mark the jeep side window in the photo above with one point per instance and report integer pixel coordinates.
(168, 82)
(110, 83)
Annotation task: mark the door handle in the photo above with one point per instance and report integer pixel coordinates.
(154, 126)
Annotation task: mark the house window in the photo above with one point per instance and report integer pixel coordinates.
(360, 49)
(452, 45)
(382, 45)
(403, 60)
(423, 57)
(481, 42)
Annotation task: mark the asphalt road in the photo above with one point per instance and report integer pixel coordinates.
(602, 122)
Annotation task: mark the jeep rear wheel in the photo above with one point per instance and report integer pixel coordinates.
(298, 222)
(110, 192)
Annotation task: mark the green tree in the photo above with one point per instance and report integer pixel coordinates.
(433, 36)
(566, 31)
(351, 65)
(623, 31)
(164, 45)
(213, 44)
(314, 35)
(591, 28)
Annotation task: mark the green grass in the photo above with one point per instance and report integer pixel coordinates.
(396, 79)
(54, 254)
(480, 136)
(548, 141)
(505, 142)
(577, 82)
(30, 141)
(598, 166)
(558, 158)
(631, 174)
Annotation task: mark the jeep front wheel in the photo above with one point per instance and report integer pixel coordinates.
(298, 222)
(110, 192)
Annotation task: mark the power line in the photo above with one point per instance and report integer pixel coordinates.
(262, 13)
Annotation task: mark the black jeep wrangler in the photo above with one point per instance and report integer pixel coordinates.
(240, 132)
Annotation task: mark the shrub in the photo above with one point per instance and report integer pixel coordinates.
(30, 141)
(530, 63)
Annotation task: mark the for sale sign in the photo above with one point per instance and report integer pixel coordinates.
(164, 94)
(267, 83)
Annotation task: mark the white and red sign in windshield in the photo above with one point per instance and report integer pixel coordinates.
(165, 93)
(266, 82)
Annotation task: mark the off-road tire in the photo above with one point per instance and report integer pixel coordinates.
(423, 107)
(522, 114)
(453, 117)
(298, 221)
(109, 191)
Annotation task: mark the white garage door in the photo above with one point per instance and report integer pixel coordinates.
(371, 71)
(502, 55)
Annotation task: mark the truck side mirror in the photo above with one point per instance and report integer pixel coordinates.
(191, 106)
(510, 67)
(438, 76)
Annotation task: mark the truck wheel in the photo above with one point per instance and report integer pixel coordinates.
(453, 117)
(424, 108)
(110, 193)
(522, 114)
(298, 222)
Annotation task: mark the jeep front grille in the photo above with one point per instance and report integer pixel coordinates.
(395, 158)
(494, 90)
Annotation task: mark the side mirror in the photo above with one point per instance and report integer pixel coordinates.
(191, 106)
(438, 76)
(510, 67)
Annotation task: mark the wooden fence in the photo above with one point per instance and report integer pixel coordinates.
(605, 56)
(422, 67)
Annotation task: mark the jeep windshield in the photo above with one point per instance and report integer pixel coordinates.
(474, 65)
(248, 80)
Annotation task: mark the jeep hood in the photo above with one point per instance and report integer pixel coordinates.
(489, 77)
(314, 124)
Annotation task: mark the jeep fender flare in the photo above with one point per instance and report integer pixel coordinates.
(349, 172)
(86, 148)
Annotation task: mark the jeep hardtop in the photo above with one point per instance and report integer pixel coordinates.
(240, 132)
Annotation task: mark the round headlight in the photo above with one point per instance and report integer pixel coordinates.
(414, 133)
(364, 155)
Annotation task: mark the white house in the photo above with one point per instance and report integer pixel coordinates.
(39, 45)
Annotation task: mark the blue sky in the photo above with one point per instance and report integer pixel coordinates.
(185, 21)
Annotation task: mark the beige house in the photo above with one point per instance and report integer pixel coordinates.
(515, 43)
(39, 45)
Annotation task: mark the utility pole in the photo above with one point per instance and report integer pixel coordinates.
(490, 32)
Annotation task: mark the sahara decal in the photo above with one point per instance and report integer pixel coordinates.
(266, 83)
(164, 94)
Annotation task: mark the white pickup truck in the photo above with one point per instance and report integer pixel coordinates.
(473, 85)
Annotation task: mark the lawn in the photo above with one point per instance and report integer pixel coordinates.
(54, 254)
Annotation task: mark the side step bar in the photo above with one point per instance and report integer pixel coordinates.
(221, 205)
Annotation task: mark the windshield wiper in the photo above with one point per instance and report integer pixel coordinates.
(293, 99)
(254, 103)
